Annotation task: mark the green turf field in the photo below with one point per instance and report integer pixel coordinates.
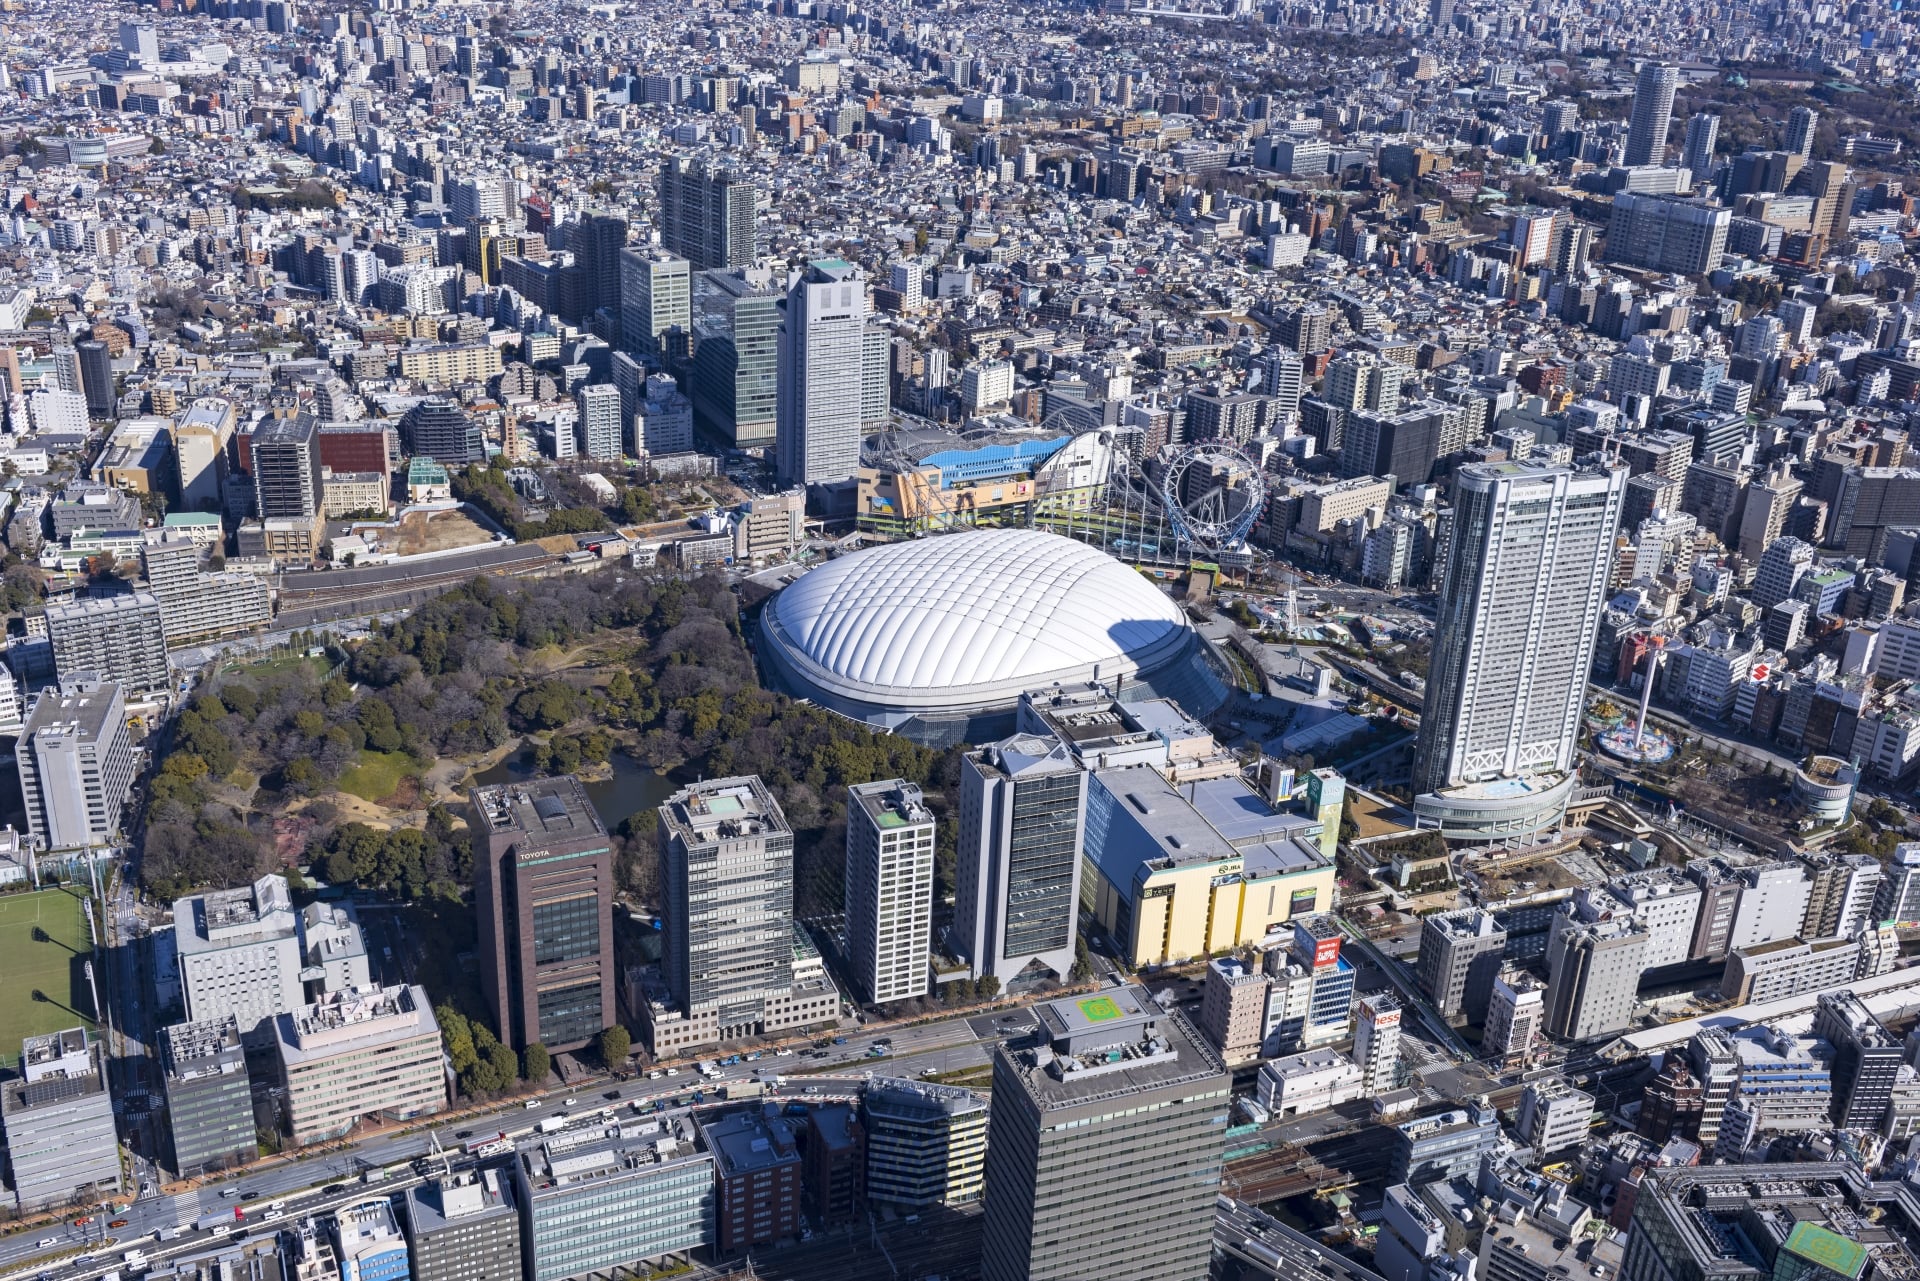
(51, 967)
(377, 775)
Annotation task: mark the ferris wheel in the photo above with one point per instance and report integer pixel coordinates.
(1212, 494)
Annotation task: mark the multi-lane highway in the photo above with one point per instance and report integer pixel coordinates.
(957, 1044)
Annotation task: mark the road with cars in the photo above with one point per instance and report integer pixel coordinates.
(324, 1179)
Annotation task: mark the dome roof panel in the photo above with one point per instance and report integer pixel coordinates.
(978, 608)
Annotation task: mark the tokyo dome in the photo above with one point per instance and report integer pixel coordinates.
(937, 638)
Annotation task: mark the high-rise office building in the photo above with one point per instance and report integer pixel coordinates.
(76, 763)
(1801, 123)
(96, 376)
(58, 1114)
(120, 638)
(598, 426)
(209, 1099)
(822, 365)
(543, 895)
(142, 41)
(1023, 806)
(1703, 132)
(1107, 1088)
(1866, 1060)
(1376, 1041)
(1314, 981)
(656, 292)
(727, 852)
(239, 953)
(286, 468)
(1593, 978)
(707, 214)
(618, 1203)
(1652, 113)
(735, 385)
(1525, 583)
(889, 889)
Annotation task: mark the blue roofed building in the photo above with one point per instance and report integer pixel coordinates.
(921, 482)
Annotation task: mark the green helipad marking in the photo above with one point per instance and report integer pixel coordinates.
(1827, 1249)
(1098, 1009)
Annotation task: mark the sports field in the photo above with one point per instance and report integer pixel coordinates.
(43, 940)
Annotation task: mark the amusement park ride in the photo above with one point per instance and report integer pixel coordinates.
(1186, 505)
(1169, 509)
(1640, 743)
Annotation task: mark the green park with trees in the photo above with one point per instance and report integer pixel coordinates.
(575, 668)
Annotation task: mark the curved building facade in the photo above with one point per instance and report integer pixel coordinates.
(937, 638)
(1497, 809)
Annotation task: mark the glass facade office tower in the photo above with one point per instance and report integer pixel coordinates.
(655, 296)
(543, 894)
(736, 355)
(1023, 805)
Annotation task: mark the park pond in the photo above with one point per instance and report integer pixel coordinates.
(623, 789)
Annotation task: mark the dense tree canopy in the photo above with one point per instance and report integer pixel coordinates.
(667, 673)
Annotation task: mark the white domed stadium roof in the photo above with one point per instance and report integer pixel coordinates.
(961, 622)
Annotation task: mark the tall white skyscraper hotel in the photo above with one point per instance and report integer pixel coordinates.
(1520, 605)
